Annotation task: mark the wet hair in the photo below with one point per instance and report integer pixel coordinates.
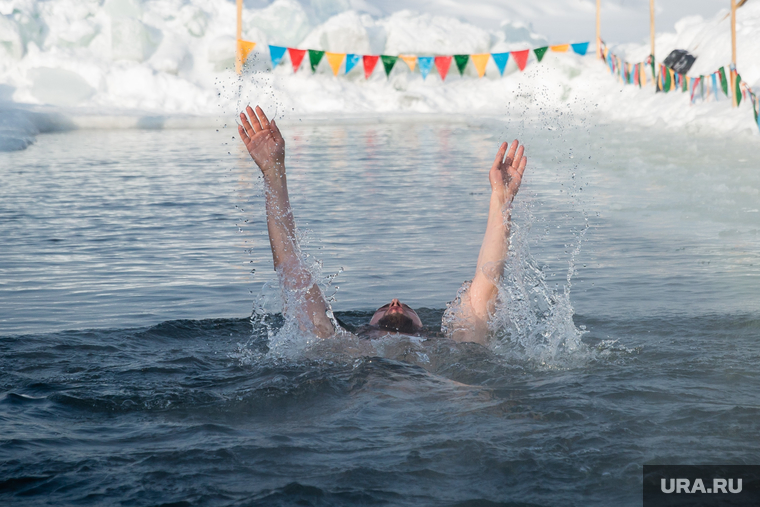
(397, 322)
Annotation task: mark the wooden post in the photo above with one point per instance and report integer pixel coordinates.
(651, 24)
(733, 53)
(238, 52)
(598, 29)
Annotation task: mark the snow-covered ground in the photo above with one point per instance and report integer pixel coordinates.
(167, 63)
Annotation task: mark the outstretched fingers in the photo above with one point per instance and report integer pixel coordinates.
(247, 125)
(523, 163)
(263, 120)
(255, 124)
(243, 134)
(511, 153)
(500, 155)
(518, 157)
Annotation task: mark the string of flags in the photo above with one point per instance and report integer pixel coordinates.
(714, 86)
(425, 64)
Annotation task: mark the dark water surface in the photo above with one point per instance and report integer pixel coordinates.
(131, 373)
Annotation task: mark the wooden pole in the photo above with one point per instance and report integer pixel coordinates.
(651, 24)
(598, 29)
(733, 53)
(238, 52)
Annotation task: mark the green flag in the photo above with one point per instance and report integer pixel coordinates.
(388, 63)
(738, 90)
(666, 83)
(723, 81)
(315, 56)
(540, 52)
(461, 62)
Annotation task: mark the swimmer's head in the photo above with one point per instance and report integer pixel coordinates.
(398, 317)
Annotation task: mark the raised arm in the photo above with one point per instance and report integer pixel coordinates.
(266, 146)
(478, 301)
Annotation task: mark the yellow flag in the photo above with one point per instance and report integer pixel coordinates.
(411, 61)
(480, 61)
(244, 48)
(562, 48)
(335, 59)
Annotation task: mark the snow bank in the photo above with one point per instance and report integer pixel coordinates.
(167, 63)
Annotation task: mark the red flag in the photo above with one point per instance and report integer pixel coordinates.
(521, 58)
(369, 64)
(442, 63)
(296, 57)
(694, 88)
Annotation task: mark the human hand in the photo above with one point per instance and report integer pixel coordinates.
(263, 141)
(506, 172)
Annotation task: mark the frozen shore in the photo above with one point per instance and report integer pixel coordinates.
(164, 64)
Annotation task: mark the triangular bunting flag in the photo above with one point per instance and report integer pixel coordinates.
(665, 85)
(738, 89)
(244, 49)
(296, 57)
(562, 48)
(480, 61)
(388, 63)
(540, 52)
(521, 58)
(442, 63)
(351, 61)
(581, 48)
(702, 87)
(461, 62)
(426, 63)
(369, 64)
(723, 82)
(500, 59)
(276, 53)
(315, 56)
(335, 60)
(715, 85)
(410, 60)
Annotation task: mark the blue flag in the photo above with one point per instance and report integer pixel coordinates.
(351, 61)
(501, 61)
(715, 86)
(425, 63)
(276, 52)
(581, 48)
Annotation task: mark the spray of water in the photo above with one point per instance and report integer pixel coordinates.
(532, 320)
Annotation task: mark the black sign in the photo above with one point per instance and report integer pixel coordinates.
(701, 485)
(680, 61)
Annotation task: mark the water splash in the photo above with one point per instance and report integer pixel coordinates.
(280, 311)
(532, 320)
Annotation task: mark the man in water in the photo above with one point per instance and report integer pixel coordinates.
(266, 146)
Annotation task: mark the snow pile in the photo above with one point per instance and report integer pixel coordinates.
(162, 63)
